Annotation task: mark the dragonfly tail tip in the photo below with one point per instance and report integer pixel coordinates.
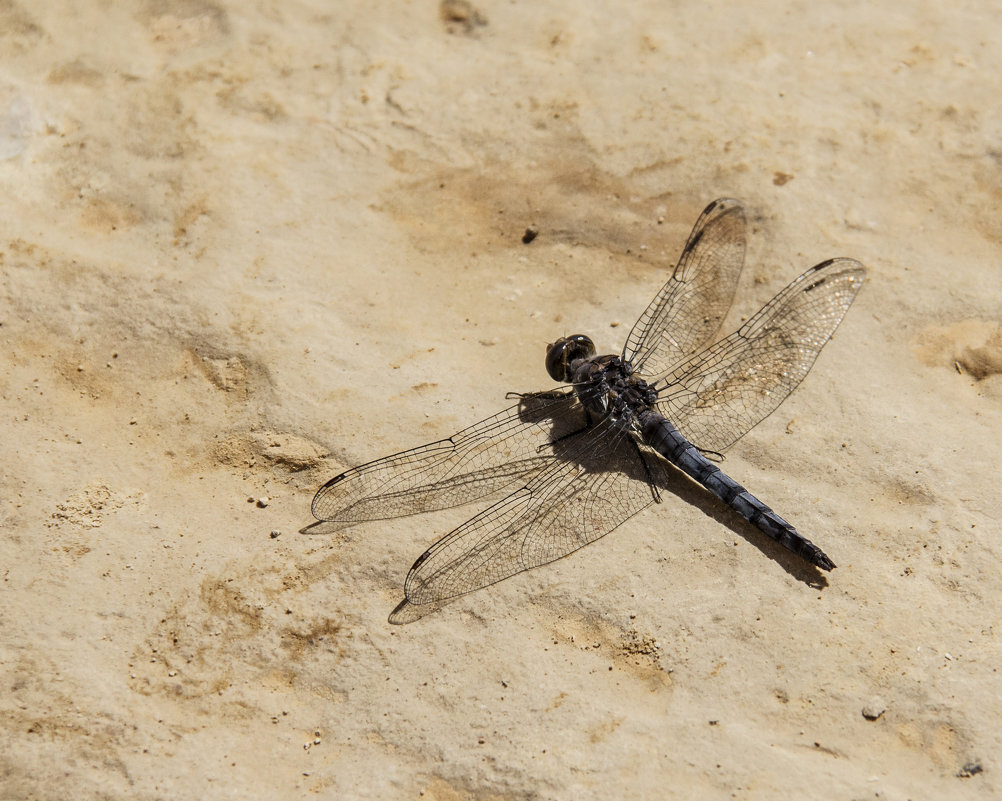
(822, 561)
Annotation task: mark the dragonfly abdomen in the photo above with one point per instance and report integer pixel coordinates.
(667, 440)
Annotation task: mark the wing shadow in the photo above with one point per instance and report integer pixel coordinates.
(623, 458)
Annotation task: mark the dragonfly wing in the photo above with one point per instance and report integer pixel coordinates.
(477, 462)
(585, 493)
(689, 309)
(718, 395)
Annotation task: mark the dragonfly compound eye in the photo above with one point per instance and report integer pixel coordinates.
(564, 352)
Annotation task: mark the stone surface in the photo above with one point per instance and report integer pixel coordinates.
(244, 245)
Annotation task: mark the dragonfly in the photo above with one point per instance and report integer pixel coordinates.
(565, 467)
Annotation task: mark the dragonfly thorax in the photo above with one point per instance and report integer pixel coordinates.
(608, 387)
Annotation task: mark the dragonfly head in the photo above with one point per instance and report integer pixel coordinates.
(564, 352)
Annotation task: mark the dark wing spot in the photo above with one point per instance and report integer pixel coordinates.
(694, 241)
(421, 559)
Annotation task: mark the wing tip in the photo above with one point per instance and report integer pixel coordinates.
(846, 265)
(321, 494)
(723, 203)
(406, 612)
(719, 208)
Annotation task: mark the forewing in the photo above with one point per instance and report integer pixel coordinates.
(716, 396)
(689, 309)
(477, 462)
(581, 496)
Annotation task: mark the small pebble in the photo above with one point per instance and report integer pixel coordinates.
(970, 769)
(275, 533)
(874, 709)
(250, 499)
(262, 502)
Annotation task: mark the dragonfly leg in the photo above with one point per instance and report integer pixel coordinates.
(549, 395)
(655, 492)
(713, 456)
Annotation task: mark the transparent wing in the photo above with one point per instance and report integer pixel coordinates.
(717, 396)
(689, 309)
(477, 462)
(598, 482)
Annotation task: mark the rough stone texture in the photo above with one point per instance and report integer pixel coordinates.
(236, 237)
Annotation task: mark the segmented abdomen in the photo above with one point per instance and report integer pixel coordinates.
(667, 440)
